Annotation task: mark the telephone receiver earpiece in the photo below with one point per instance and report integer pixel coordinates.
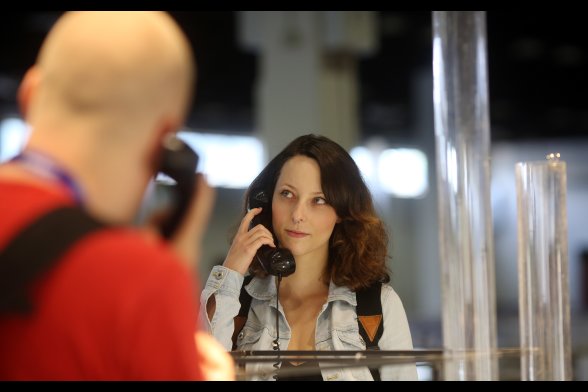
(179, 162)
(275, 261)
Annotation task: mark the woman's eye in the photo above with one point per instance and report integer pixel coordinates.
(320, 200)
(287, 194)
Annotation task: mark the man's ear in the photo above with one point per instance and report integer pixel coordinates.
(27, 89)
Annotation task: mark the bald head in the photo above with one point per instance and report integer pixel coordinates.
(100, 64)
(106, 88)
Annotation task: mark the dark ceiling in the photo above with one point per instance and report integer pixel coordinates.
(537, 69)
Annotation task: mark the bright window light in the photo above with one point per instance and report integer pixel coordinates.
(14, 133)
(365, 160)
(402, 172)
(229, 161)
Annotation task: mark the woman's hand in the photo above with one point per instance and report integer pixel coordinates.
(246, 243)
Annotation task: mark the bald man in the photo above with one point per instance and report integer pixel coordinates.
(106, 89)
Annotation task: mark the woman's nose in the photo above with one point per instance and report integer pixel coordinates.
(298, 213)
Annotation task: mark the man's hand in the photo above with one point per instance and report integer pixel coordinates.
(188, 239)
(216, 363)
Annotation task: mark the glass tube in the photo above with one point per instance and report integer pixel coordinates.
(544, 308)
(462, 133)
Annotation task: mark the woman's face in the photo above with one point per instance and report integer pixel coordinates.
(302, 220)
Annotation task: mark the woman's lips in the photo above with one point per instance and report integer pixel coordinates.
(296, 234)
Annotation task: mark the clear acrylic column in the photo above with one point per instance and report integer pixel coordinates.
(544, 308)
(462, 134)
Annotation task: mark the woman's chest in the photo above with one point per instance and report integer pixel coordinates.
(303, 323)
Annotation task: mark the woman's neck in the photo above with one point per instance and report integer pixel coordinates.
(308, 280)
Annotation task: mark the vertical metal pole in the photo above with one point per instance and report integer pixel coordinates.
(544, 307)
(460, 95)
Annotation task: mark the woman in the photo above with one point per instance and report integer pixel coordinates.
(321, 210)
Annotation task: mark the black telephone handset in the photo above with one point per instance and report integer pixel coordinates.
(179, 162)
(275, 261)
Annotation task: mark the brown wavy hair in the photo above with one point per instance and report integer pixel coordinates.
(358, 244)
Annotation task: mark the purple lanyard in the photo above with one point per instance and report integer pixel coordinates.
(46, 167)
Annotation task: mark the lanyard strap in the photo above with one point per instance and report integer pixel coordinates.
(46, 167)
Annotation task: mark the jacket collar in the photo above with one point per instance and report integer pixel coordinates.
(264, 289)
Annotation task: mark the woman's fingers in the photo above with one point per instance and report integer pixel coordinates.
(245, 245)
(261, 237)
(246, 221)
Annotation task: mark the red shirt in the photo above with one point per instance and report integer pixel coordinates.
(118, 306)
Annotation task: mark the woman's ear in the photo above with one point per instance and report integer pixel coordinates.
(27, 89)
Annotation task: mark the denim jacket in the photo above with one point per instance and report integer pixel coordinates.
(336, 326)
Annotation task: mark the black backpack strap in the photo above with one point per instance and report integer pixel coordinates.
(241, 318)
(370, 319)
(35, 249)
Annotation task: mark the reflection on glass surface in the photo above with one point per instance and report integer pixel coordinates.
(430, 363)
